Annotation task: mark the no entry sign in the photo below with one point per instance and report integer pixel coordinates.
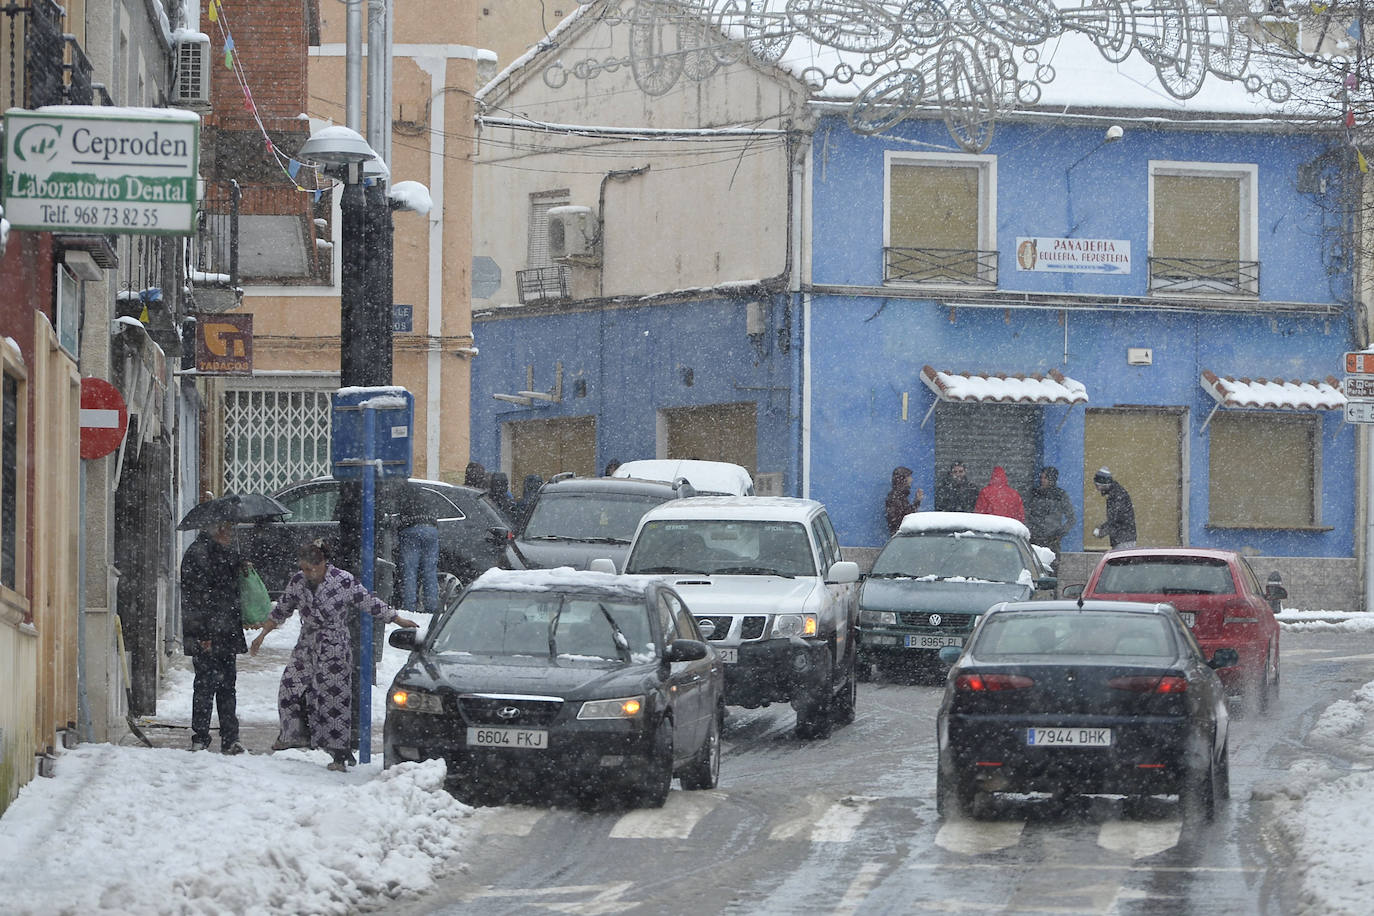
(104, 418)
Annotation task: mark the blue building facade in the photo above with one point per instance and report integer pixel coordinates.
(1271, 301)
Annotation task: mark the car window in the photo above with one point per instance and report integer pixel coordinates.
(588, 516)
(1165, 576)
(825, 541)
(316, 504)
(527, 623)
(1080, 633)
(682, 624)
(951, 556)
(439, 505)
(1251, 578)
(723, 546)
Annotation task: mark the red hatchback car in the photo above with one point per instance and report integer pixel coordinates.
(1218, 596)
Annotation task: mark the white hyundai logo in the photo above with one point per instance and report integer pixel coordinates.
(508, 712)
(935, 620)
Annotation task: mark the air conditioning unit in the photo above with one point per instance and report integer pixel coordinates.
(572, 231)
(192, 86)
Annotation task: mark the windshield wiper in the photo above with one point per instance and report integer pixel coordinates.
(621, 642)
(553, 629)
(753, 571)
(547, 537)
(602, 540)
(670, 570)
(893, 575)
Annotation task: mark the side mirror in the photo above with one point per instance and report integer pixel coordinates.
(498, 535)
(842, 572)
(405, 638)
(685, 650)
(1224, 658)
(1046, 583)
(602, 565)
(950, 654)
(1073, 591)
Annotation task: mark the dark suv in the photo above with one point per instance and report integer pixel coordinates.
(468, 543)
(577, 519)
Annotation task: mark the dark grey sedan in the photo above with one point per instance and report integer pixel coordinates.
(562, 679)
(1076, 698)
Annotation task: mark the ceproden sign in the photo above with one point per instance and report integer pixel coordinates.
(91, 169)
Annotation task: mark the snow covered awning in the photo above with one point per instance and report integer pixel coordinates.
(1273, 393)
(1053, 387)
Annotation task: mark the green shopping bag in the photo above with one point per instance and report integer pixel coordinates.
(254, 602)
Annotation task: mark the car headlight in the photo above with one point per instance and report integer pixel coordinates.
(788, 625)
(415, 701)
(878, 618)
(622, 708)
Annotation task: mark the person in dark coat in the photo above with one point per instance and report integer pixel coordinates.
(954, 492)
(998, 498)
(899, 503)
(1119, 528)
(418, 535)
(498, 488)
(1049, 512)
(212, 633)
(525, 504)
(475, 476)
(611, 467)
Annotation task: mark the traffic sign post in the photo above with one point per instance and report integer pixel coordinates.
(1359, 387)
(104, 418)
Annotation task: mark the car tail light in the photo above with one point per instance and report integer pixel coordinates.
(980, 682)
(1150, 683)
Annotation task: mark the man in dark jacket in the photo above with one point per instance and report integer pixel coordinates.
(1049, 513)
(954, 492)
(898, 503)
(1119, 528)
(212, 633)
(418, 534)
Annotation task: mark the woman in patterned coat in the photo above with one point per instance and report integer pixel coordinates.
(315, 700)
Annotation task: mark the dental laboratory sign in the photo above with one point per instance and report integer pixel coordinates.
(78, 168)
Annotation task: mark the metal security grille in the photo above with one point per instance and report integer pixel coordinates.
(274, 437)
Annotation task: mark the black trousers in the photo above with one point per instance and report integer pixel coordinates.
(214, 686)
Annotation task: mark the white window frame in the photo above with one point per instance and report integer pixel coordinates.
(1248, 174)
(987, 200)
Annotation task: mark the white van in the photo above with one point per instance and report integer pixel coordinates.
(709, 478)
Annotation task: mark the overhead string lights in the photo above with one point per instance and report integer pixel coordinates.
(292, 168)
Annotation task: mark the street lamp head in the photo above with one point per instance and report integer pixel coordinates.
(1114, 133)
(336, 145)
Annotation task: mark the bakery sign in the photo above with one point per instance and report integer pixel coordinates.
(1085, 256)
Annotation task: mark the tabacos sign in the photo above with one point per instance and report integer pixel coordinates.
(78, 168)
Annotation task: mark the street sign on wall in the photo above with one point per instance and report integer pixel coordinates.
(80, 168)
(224, 344)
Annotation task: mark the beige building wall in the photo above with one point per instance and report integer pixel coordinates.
(731, 189)
(434, 63)
(510, 27)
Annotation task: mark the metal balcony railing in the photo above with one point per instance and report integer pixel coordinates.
(543, 284)
(1200, 276)
(31, 37)
(80, 89)
(263, 234)
(940, 265)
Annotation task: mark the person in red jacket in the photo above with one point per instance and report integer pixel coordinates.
(998, 498)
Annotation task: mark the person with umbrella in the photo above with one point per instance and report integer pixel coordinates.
(211, 621)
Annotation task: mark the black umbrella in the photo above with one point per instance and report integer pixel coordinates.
(232, 509)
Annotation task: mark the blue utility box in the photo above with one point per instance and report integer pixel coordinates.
(393, 425)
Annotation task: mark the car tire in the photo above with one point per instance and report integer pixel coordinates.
(844, 704)
(1262, 695)
(1199, 797)
(1223, 782)
(658, 775)
(954, 797)
(814, 716)
(704, 770)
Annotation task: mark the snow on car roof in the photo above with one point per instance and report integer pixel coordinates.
(715, 476)
(561, 577)
(918, 522)
(743, 508)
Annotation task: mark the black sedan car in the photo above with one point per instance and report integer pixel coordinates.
(473, 535)
(1096, 697)
(561, 679)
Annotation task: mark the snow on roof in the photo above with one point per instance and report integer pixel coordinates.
(971, 522)
(562, 577)
(1274, 394)
(704, 476)
(1051, 388)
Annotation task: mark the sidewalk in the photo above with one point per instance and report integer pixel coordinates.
(258, 680)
